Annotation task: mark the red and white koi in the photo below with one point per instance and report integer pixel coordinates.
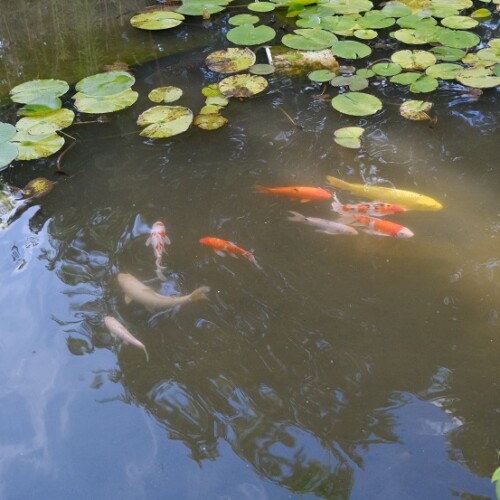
(374, 209)
(380, 227)
(223, 248)
(158, 239)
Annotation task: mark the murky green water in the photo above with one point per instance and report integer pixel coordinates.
(347, 368)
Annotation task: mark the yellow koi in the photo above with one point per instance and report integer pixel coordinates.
(406, 199)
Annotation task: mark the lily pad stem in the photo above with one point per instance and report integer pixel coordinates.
(291, 119)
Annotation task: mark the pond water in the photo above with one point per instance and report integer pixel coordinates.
(348, 367)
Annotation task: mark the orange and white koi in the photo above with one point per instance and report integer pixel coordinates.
(158, 239)
(301, 193)
(374, 209)
(223, 248)
(381, 227)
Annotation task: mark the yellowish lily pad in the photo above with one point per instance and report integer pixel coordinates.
(165, 94)
(231, 60)
(31, 147)
(48, 123)
(157, 20)
(415, 110)
(165, 121)
(348, 137)
(106, 104)
(211, 121)
(245, 85)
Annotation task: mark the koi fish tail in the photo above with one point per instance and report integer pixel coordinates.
(263, 189)
(200, 293)
(338, 183)
(296, 217)
(336, 205)
(146, 353)
(249, 256)
(160, 274)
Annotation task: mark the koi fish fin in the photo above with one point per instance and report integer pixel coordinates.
(167, 240)
(128, 299)
(233, 255)
(160, 275)
(336, 205)
(220, 253)
(305, 201)
(263, 189)
(338, 183)
(148, 241)
(200, 293)
(145, 352)
(296, 217)
(348, 219)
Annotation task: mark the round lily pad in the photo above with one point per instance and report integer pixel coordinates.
(240, 19)
(459, 22)
(413, 59)
(8, 153)
(480, 78)
(357, 104)
(365, 34)
(47, 123)
(481, 15)
(105, 84)
(157, 20)
(33, 90)
(354, 82)
(396, 9)
(351, 50)
(321, 75)
(447, 54)
(248, 34)
(491, 54)
(445, 71)
(217, 101)
(210, 121)
(386, 69)
(32, 147)
(405, 78)
(458, 39)
(349, 137)
(230, 60)
(165, 121)
(40, 106)
(416, 21)
(365, 72)
(106, 104)
(415, 110)
(210, 109)
(261, 6)
(201, 7)
(375, 19)
(347, 7)
(211, 90)
(7, 132)
(415, 37)
(340, 25)
(424, 84)
(242, 85)
(261, 69)
(309, 39)
(165, 94)
(455, 4)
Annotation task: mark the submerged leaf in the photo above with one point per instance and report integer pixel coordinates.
(107, 104)
(242, 85)
(349, 137)
(157, 20)
(37, 188)
(105, 84)
(230, 60)
(357, 104)
(32, 147)
(165, 121)
(33, 90)
(415, 110)
(261, 69)
(165, 94)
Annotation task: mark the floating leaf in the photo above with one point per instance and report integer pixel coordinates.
(415, 37)
(455, 4)
(47, 123)
(36, 90)
(447, 54)
(416, 21)
(405, 78)
(443, 11)
(44, 105)
(8, 153)
(351, 50)
(340, 25)
(365, 72)
(396, 9)
(261, 7)
(248, 34)
(415, 110)
(165, 121)
(365, 34)
(217, 101)
(458, 39)
(242, 85)
(157, 20)
(349, 137)
(496, 70)
(31, 147)
(212, 90)
(240, 19)
(321, 75)
(413, 59)
(309, 39)
(445, 71)
(386, 69)
(37, 188)
(357, 104)
(349, 6)
(107, 104)
(230, 60)
(165, 94)
(210, 121)
(261, 69)
(375, 19)
(354, 82)
(201, 7)
(210, 109)
(480, 78)
(481, 15)
(105, 84)
(424, 84)
(491, 54)
(7, 132)
(459, 22)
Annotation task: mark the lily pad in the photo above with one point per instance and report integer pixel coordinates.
(40, 106)
(157, 20)
(365, 72)
(491, 54)
(240, 19)
(165, 94)
(424, 84)
(458, 39)
(230, 60)
(405, 78)
(217, 101)
(321, 75)
(34, 90)
(210, 109)
(261, 69)
(386, 69)
(375, 19)
(31, 147)
(107, 104)
(415, 37)
(416, 21)
(340, 25)
(47, 123)
(348, 7)
(459, 22)
(480, 78)
(365, 34)
(413, 59)
(105, 84)
(242, 85)
(415, 110)
(309, 39)
(357, 104)
(447, 54)
(261, 6)
(165, 121)
(396, 9)
(351, 50)
(212, 121)
(201, 7)
(8, 153)
(354, 82)
(455, 4)
(445, 71)
(7, 132)
(481, 15)
(248, 34)
(212, 90)
(349, 137)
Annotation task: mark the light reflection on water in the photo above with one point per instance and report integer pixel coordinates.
(345, 366)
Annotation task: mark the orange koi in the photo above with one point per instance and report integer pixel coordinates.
(375, 209)
(301, 193)
(158, 239)
(223, 248)
(381, 227)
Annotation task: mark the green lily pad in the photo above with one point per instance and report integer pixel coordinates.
(375, 19)
(357, 104)
(454, 4)
(162, 122)
(354, 82)
(365, 72)
(201, 7)
(413, 59)
(105, 84)
(445, 71)
(47, 123)
(396, 9)
(496, 70)
(217, 101)
(261, 69)
(210, 121)
(157, 20)
(321, 75)
(210, 109)
(240, 19)
(350, 50)
(165, 94)
(309, 39)
(442, 11)
(248, 34)
(458, 39)
(8, 153)
(494, 42)
(32, 147)
(459, 22)
(405, 78)
(365, 34)
(447, 54)
(212, 90)
(481, 15)
(107, 104)
(386, 69)
(424, 84)
(35, 91)
(348, 7)
(340, 25)
(7, 132)
(416, 37)
(42, 105)
(349, 137)
(415, 110)
(481, 78)
(242, 85)
(416, 21)
(491, 54)
(230, 60)
(261, 6)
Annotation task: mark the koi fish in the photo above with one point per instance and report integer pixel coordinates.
(381, 227)
(301, 193)
(323, 225)
(153, 301)
(118, 331)
(375, 209)
(223, 248)
(158, 239)
(405, 199)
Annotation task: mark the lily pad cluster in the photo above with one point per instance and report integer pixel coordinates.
(209, 117)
